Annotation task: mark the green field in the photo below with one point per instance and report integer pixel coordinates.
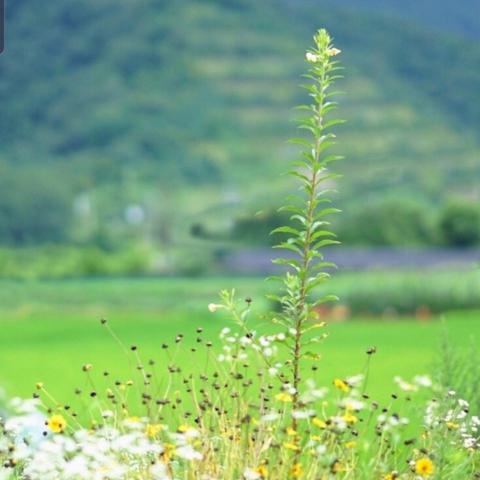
(49, 329)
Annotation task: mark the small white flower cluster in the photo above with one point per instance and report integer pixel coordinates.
(457, 419)
(265, 345)
(120, 452)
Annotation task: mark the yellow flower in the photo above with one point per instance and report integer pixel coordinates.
(337, 467)
(391, 476)
(297, 470)
(319, 423)
(290, 446)
(349, 418)
(341, 385)
(153, 429)
(57, 424)
(168, 452)
(291, 432)
(262, 471)
(451, 425)
(351, 444)
(316, 438)
(424, 467)
(183, 428)
(284, 397)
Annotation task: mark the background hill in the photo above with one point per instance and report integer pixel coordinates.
(147, 121)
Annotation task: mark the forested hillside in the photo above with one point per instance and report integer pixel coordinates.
(150, 105)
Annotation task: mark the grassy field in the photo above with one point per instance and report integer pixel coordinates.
(49, 329)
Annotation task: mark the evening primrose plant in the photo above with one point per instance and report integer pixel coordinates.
(252, 404)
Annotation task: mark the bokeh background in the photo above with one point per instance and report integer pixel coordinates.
(142, 146)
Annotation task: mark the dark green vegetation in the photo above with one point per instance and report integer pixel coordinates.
(149, 120)
(50, 329)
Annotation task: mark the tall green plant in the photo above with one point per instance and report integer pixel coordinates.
(309, 209)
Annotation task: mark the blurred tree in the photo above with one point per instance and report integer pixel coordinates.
(394, 222)
(460, 224)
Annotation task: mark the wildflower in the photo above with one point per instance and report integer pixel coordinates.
(423, 380)
(319, 423)
(284, 397)
(262, 471)
(290, 446)
(153, 429)
(270, 417)
(188, 453)
(391, 476)
(297, 470)
(168, 452)
(341, 385)
(331, 52)
(250, 474)
(349, 418)
(424, 467)
(183, 428)
(321, 449)
(57, 424)
(213, 307)
(337, 467)
(451, 425)
(302, 414)
(350, 444)
(311, 57)
(405, 386)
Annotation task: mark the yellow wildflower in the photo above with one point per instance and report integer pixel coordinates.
(291, 432)
(337, 467)
(57, 424)
(452, 425)
(284, 397)
(290, 446)
(341, 385)
(183, 428)
(319, 423)
(349, 418)
(424, 467)
(262, 471)
(168, 452)
(391, 476)
(350, 444)
(297, 470)
(153, 429)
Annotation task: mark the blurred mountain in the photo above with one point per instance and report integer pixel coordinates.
(461, 18)
(184, 107)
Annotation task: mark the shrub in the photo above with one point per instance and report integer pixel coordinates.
(460, 224)
(392, 222)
